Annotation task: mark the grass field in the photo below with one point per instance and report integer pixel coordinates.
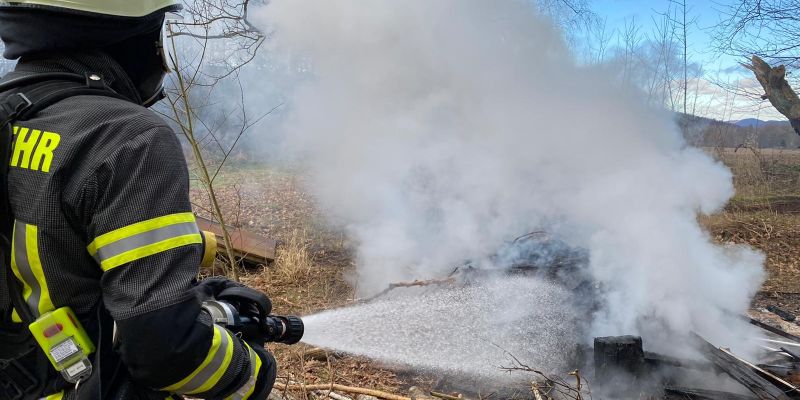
(765, 213)
(315, 262)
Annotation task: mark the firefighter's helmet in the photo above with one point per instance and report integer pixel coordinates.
(116, 8)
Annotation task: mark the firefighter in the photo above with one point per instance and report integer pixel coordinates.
(100, 219)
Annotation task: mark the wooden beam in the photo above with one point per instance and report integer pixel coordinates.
(741, 371)
(248, 246)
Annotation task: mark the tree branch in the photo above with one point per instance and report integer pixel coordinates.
(777, 90)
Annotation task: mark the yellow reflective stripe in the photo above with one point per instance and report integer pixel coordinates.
(255, 376)
(57, 396)
(247, 389)
(27, 267)
(137, 228)
(35, 263)
(144, 239)
(215, 342)
(149, 250)
(25, 288)
(211, 369)
(253, 388)
(217, 375)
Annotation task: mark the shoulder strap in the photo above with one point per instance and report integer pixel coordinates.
(33, 94)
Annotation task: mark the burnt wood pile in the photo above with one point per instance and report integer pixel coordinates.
(621, 361)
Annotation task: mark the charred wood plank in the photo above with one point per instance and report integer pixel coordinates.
(703, 394)
(660, 360)
(248, 246)
(615, 354)
(741, 371)
(773, 329)
(785, 315)
(794, 355)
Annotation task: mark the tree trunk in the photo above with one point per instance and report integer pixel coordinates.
(777, 90)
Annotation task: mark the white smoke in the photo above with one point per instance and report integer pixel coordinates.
(438, 130)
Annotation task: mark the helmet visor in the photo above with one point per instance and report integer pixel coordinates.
(165, 44)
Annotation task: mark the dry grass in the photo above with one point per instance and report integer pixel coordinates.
(777, 235)
(768, 182)
(293, 262)
(762, 172)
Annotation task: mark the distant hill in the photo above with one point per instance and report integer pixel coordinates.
(757, 123)
(707, 132)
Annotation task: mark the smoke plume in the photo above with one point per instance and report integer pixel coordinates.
(440, 130)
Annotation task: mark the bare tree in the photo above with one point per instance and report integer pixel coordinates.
(681, 32)
(224, 32)
(631, 42)
(210, 46)
(766, 32)
(574, 16)
(769, 29)
(600, 39)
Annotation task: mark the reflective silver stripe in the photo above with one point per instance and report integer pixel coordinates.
(242, 392)
(144, 239)
(24, 267)
(212, 367)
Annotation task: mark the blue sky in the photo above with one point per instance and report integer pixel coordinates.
(706, 14)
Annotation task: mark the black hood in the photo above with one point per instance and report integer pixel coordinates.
(41, 32)
(81, 63)
(35, 33)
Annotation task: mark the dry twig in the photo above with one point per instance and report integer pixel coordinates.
(347, 389)
(553, 383)
(439, 281)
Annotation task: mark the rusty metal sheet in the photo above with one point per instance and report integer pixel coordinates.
(249, 246)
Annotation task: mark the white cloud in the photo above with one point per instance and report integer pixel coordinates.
(728, 101)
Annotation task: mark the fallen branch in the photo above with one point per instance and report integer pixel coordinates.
(439, 281)
(342, 388)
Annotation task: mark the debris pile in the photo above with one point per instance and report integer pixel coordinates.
(614, 367)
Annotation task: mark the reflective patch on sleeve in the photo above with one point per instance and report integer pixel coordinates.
(144, 239)
(27, 267)
(247, 389)
(57, 396)
(211, 369)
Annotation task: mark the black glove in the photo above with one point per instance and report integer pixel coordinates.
(209, 288)
(247, 300)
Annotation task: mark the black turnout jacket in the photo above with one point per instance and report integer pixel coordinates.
(103, 224)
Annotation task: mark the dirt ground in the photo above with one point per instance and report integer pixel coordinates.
(315, 264)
